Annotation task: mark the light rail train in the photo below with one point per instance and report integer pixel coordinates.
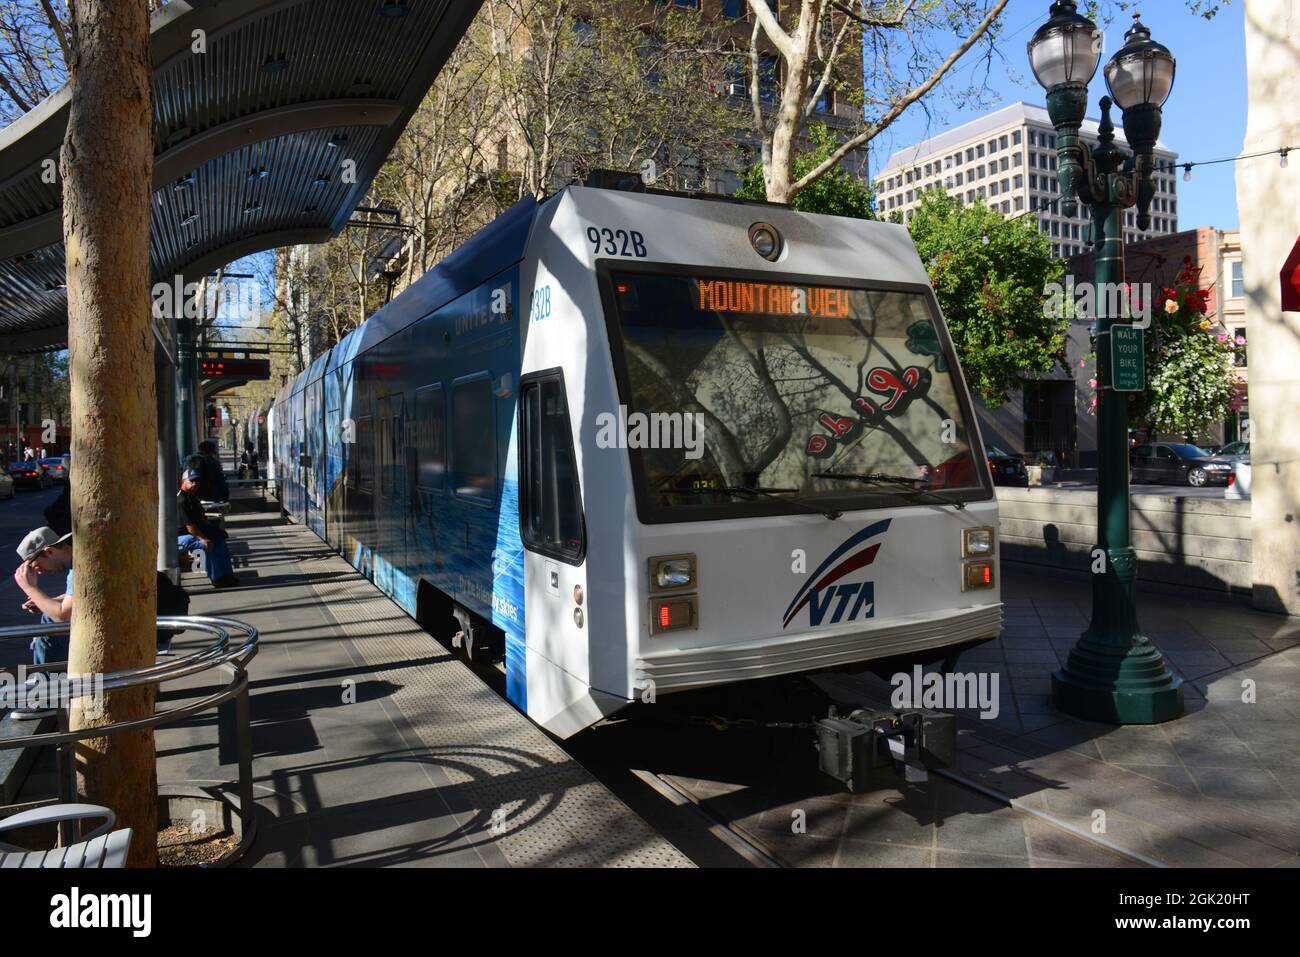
(637, 443)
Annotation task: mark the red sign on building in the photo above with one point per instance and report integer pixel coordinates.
(1291, 280)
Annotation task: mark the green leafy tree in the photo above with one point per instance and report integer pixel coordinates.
(991, 277)
(837, 193)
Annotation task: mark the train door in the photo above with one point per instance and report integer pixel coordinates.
(391, 499)
(552, 525)
(315, 462)
(299, 461)
(399, 507)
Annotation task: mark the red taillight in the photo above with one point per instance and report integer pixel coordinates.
(1231, 479)
(977, 575)
(671, 614)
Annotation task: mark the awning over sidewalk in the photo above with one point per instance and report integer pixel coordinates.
(270, 135)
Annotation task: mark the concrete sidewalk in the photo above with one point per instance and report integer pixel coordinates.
(373, 745)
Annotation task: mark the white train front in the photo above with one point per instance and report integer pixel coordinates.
(637, 443)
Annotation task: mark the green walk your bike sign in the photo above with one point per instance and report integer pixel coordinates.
(1127, 359)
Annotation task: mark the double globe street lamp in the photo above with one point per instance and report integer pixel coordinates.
(1114, 674)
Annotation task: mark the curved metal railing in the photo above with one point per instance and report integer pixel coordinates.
(233, 646)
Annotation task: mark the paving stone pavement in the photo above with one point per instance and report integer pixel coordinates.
(375, 746)
(1219, 786)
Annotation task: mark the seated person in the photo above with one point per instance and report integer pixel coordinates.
(197, 533)
(44, 552)
(214, 477)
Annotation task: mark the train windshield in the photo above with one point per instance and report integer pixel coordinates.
(741, 394)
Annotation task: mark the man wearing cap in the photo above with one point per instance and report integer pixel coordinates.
(45, 552)
(196, 532)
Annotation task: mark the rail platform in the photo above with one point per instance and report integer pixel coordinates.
(373, 744)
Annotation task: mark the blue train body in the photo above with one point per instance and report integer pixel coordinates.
(353, 429)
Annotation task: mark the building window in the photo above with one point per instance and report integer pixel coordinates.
(1033, 161)
(737, 79)
(1239, 358)
(826, 102)
(1033, 181)
(734, 9)
(959, 178)
(1238, 280)
(979, 151)
(993, 188)
(550, 502)
(1019, 181)
(1020, 203)
(767, 79)
(1033, 138)
(1006, 206)
(1015, 138)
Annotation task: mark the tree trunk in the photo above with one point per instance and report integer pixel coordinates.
(107, 169)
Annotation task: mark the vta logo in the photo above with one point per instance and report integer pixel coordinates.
(842, 602)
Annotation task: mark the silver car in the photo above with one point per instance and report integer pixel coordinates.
(1234, 452)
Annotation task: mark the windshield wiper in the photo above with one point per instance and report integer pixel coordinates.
(738, 490)
(899, 481)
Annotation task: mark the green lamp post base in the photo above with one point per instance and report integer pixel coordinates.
(1101, 682)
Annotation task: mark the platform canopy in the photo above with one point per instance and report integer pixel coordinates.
(252, 138)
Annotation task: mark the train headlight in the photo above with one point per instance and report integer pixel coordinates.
(672, 572)
(766, 241)
(976, 542)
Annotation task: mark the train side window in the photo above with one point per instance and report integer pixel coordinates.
(364, 446)
(473, 438)
(385, 485)
(550, 501)
(430, 437)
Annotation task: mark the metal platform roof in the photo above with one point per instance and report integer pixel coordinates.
(251, 138)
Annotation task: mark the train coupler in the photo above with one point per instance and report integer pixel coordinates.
(856, 748)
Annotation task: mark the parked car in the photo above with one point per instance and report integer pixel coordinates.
(7, 487)
(58, 471)
(30, 475)
(1007, 469)
(1176, 463)
(1234, 452)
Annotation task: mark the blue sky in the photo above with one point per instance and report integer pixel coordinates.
(1204, 118)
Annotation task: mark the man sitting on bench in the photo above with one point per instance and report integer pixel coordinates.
(197, 533)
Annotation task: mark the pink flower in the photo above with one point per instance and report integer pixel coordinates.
(1082, 363)
(1223, 337)
(1241, 340)
(1092, 383)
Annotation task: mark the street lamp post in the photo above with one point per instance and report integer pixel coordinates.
(1114, 674)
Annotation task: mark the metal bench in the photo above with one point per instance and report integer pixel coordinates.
(102, 847)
